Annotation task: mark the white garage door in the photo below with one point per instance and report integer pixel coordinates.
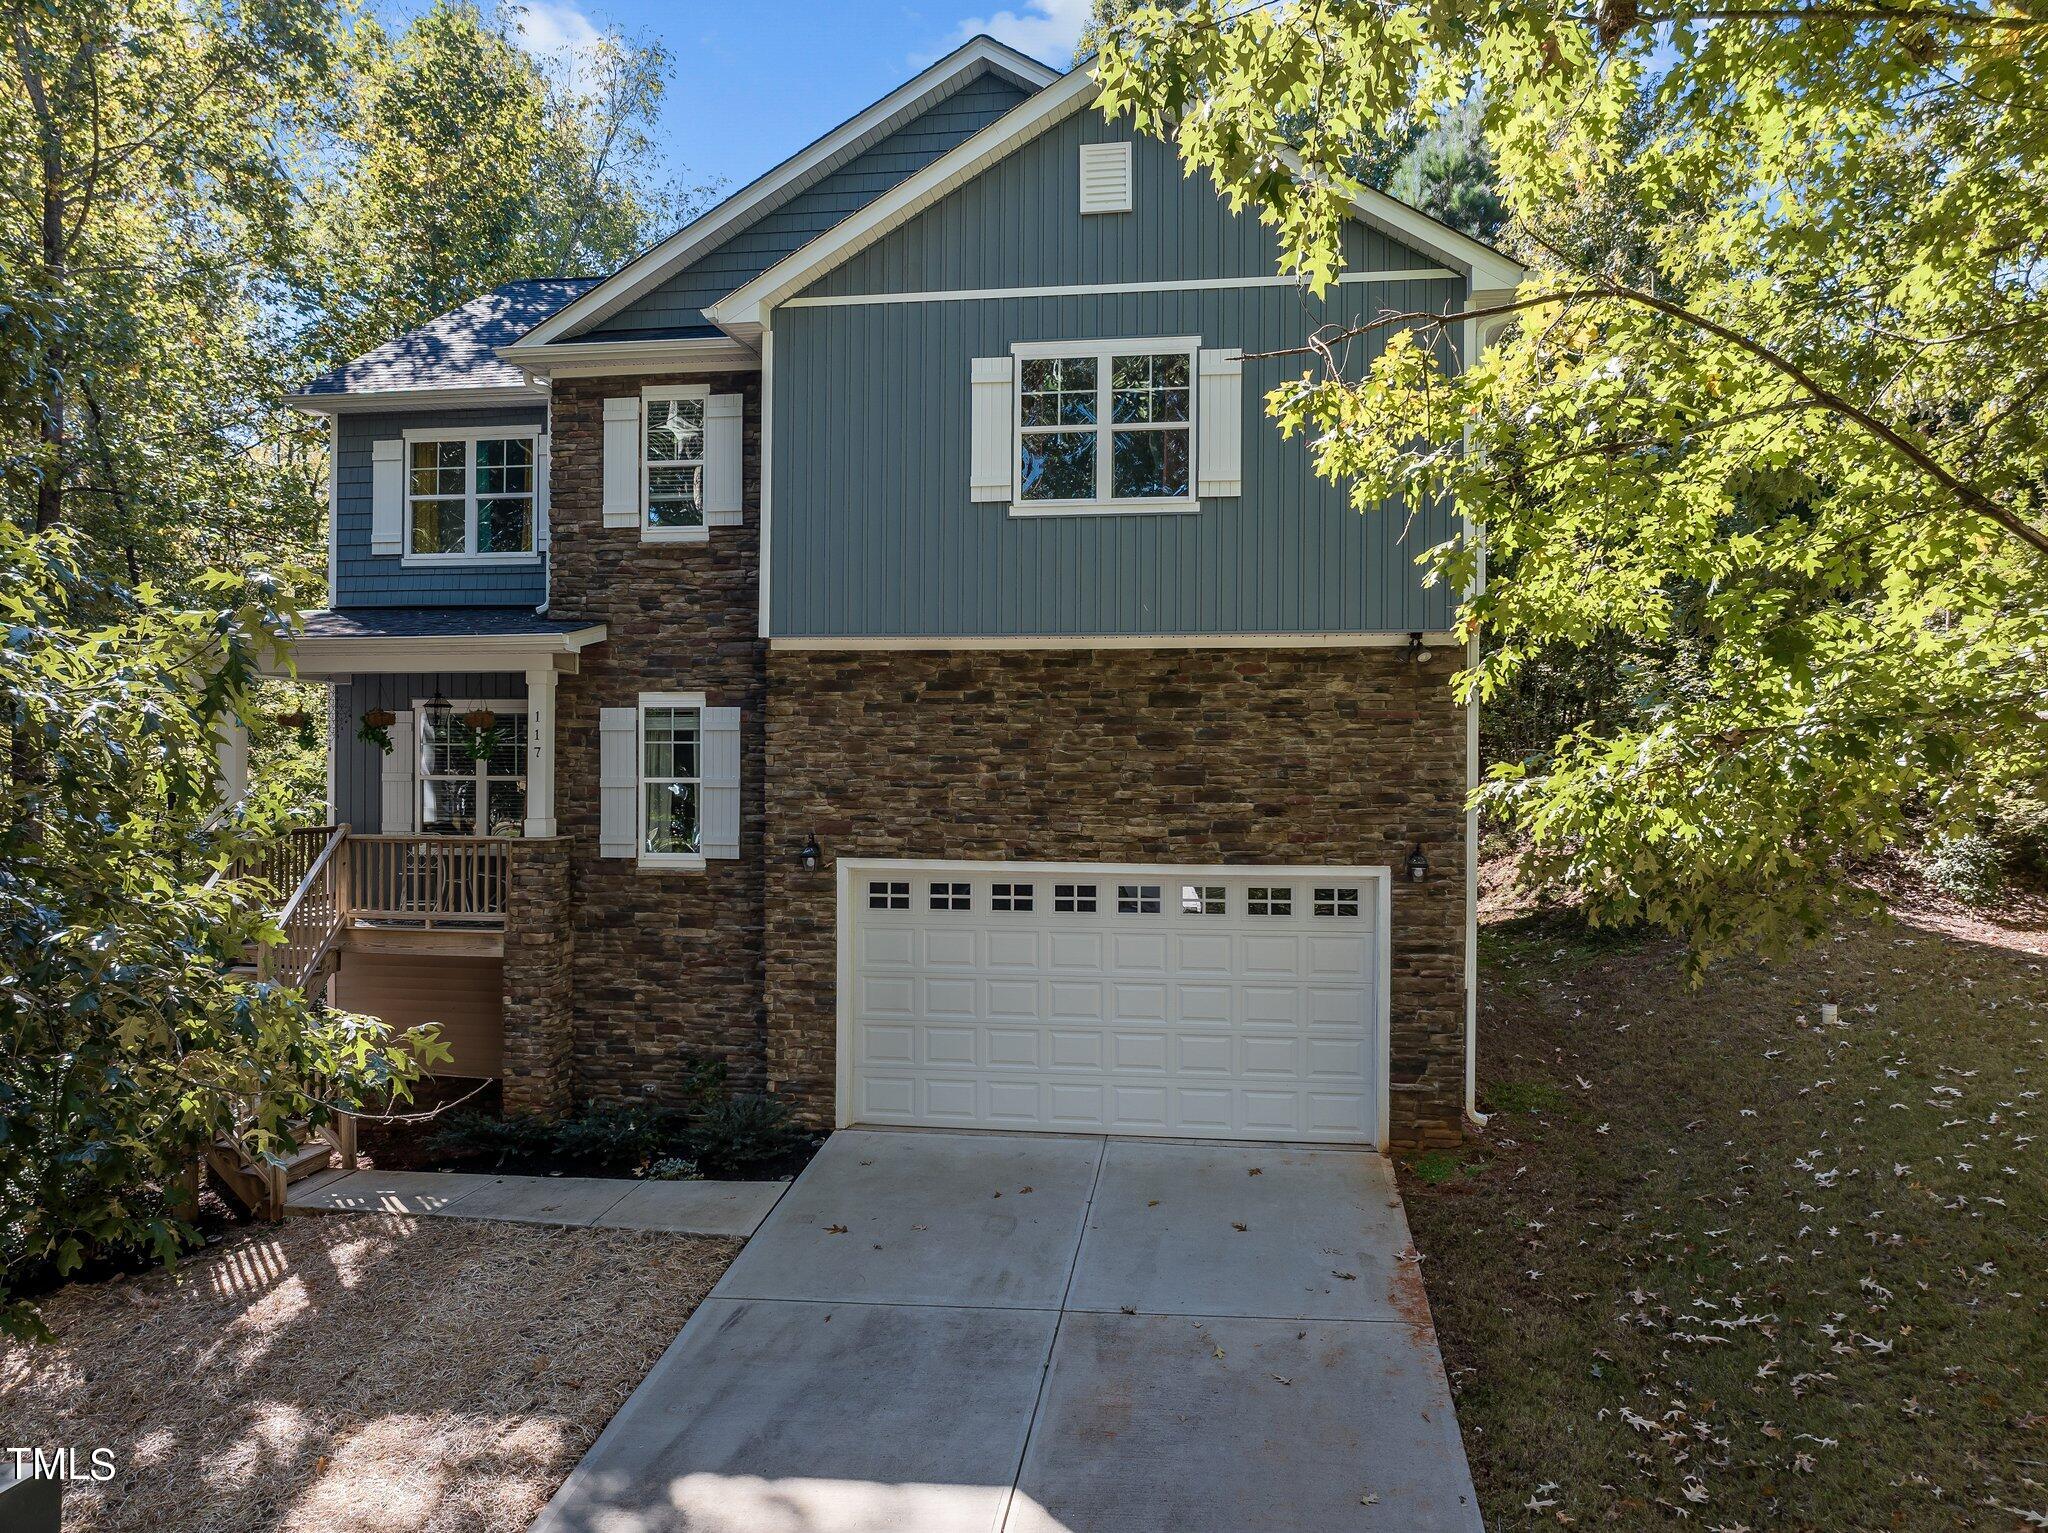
(1188, 1002)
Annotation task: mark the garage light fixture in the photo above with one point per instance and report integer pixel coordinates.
(1418, 865)
(810, 856)
(1416, 650)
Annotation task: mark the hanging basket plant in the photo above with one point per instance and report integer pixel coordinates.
(480, 718)
(374, 728)
(483, 741)
(300, 723)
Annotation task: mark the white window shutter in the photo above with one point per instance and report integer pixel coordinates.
(618, 781)
(1219, 424)
(543, 460)
(622, 462)
(719, 815)
(992, 460)
(398, 810)
(724, 459)
(387, 496)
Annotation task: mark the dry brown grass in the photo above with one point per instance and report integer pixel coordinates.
(353, 1372)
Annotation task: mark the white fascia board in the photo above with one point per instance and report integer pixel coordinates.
(486, 397)
(647, 270)
(742, 312)
(314, 658)
(596, 359)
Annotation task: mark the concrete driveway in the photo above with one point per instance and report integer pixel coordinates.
(1029, 1333)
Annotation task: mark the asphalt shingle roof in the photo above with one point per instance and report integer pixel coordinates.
(431, 623)
(457, 350)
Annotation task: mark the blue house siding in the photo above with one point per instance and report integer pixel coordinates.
(677, 305)
(874, 533)
(1018, 224)
(363, 579)
(358, 767)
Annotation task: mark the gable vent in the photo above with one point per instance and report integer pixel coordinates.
(1105, 178)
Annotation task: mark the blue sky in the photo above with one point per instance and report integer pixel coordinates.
(756, 80)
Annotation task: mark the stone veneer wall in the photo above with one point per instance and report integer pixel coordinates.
(1276, 756)
(668, 964)
(538, 1069)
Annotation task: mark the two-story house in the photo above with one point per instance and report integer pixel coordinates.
(876, 638)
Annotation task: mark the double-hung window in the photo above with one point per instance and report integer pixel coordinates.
(470, 496)
(671, 778)
(1105, 426)
(472, 782)
(672, 460)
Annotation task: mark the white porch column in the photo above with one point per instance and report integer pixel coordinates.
(231, 755)
(540, 749)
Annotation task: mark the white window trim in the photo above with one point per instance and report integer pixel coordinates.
(470, 436)
(1102, 504)
(700, 534)
(457, 706)
(686, 861)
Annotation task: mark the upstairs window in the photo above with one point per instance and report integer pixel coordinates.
(672, 465)
(469, 497)
(1105, 426)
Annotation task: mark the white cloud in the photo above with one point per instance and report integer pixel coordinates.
(1045, 29)
(555, 29)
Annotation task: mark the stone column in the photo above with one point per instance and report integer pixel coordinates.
(539, 1069)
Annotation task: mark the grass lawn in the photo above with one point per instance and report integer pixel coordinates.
(352, 1372)
(1717, 1263)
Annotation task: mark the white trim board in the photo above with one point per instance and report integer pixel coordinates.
(1432, 639)
(742, 312)
(482, 397)
(848, 870)
(1088, 289)
(597, 359)
(647, 270)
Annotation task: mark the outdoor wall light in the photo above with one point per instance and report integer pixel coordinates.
(810, 856)
(1418, 865)
(1416, 652)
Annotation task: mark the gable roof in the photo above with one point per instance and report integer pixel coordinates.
(742, 313)
(778, 186)
(453, 352)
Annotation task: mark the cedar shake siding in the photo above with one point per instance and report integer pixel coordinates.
(1305, 756)
(667, 962)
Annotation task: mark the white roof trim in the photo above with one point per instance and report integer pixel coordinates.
(742, 313)
(311, 657)
(647, 270)
(587, 359)
(486, 396)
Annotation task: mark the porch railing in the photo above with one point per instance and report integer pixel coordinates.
(316, 908)
(428, 881)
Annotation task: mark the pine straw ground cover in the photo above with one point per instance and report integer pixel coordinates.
(1717, 1265)
(352, 1372)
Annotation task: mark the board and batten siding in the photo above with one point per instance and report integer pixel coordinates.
(359, 767)
(874, 531)
(1019, 224)
(676, 306)
(364, 579)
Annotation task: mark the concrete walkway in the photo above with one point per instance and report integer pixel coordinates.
(612, 1203)
(938, 1332)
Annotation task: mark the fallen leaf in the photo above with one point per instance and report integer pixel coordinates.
(1254, 1171)
(1238, 1227)
(835, 1229)
(1278, 1380)
(1349, 1277)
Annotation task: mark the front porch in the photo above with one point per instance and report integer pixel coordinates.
(438, 891)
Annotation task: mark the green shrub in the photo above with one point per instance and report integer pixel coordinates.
(612, 1141)
(504, 1144)
(674, 1169)
(743, 1134)
(1969, 867)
